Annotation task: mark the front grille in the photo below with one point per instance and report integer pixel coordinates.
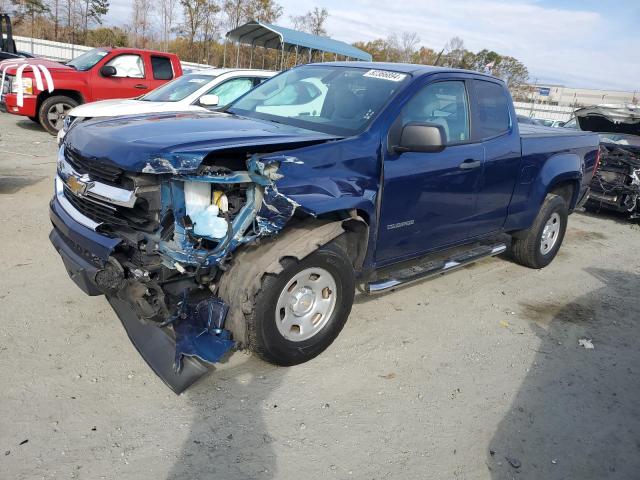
(94, 168)
(137, 217)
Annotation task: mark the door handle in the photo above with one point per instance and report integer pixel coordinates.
(469, 163)
(140, 86)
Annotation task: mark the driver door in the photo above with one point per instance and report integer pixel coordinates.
(429, 199)
(131, 78)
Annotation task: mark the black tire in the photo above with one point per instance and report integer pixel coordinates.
(526, 246)
(35, 120)
(59, 104)
(266, 339)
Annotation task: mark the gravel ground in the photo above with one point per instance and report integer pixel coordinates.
(476, 375)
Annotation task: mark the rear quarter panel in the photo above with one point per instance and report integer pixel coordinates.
(549, 158)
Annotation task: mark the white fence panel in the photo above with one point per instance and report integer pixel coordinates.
(544, 112)
(49, 49)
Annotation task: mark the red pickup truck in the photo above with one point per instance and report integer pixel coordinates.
(45, 91)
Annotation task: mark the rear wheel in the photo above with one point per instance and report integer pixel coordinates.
(53, 112)
(538, 246)
(299, 312)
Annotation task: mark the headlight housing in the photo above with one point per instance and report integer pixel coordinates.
(68, 121)
(27, 86)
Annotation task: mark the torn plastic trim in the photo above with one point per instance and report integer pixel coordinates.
(199, 329)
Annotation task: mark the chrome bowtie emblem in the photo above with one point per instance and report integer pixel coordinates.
(77, 186)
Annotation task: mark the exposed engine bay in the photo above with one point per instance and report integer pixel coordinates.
(616, 184)
(176, 235)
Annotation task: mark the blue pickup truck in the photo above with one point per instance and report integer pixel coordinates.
(252, 227)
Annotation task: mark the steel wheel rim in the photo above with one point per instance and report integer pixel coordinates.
(57, 113)
(306, 304)
(550, 233)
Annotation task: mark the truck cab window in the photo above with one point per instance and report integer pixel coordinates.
(493, 109)
(161, 66)
(442, 103)
(128, 66)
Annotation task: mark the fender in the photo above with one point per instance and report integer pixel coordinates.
(532, 187)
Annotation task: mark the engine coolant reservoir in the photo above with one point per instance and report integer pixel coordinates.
(208, 224)
(204, 215)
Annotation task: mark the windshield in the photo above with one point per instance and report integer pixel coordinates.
(88, 59)
(178, 89)
(325, 98)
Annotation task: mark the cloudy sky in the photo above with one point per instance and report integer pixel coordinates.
(580, 43)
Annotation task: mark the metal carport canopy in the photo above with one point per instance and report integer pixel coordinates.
(259, 34)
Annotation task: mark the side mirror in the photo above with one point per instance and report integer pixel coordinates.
(209, 100)
(108, 71)
(421, 137)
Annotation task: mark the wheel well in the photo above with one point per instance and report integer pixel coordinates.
(67, 93)
(566, 190)
(355, 239)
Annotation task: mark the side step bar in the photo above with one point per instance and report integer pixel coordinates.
(427, 269)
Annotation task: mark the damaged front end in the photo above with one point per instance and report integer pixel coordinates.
(156, 243)
(616, 183)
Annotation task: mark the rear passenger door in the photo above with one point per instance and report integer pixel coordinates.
(495, 126)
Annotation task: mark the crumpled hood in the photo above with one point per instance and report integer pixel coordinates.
(176, 142)
(112, 108)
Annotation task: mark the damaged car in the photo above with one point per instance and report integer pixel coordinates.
(616, 184)
(252, 228)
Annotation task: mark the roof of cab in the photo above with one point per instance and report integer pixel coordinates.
(404, 68)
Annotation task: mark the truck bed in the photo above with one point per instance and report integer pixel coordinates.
(548, 140)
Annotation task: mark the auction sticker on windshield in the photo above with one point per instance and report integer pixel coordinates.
(386, 75)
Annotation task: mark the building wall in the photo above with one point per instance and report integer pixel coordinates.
(579, 97)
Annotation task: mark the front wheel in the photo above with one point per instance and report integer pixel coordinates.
(53, 112)
(538, 246)
(299, 312)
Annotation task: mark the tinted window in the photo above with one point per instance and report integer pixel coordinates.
(162, 69)
(493, 109)
(442, 103)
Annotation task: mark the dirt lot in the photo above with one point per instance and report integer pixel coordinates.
(444, 379)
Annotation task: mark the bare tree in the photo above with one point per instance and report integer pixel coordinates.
(167, 13)
(238, 12)
(408, 46)
(195, 14)
(6, 6)
(263, 10)
(140, 26)
(311, 22)
(454, 52)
